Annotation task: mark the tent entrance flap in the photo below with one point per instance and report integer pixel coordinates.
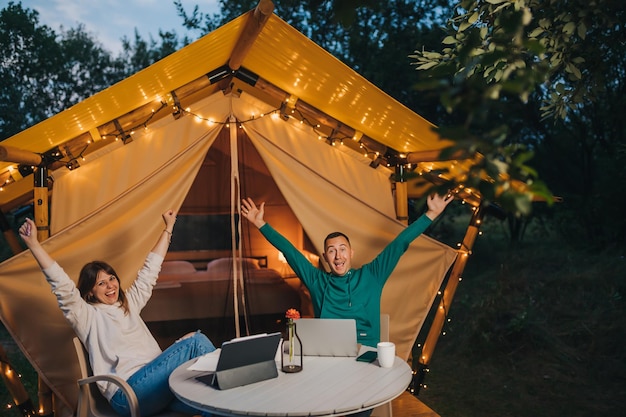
(235, 198)
(110, 208)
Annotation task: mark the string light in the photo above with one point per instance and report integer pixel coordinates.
(286, 112)
(419, 374)
(274, 114)
(177, 111)
(9, 376)
(72, 163)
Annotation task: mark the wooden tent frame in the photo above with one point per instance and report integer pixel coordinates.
(233, 78)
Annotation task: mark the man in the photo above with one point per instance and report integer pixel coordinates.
(345, 292)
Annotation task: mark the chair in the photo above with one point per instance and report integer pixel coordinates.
(384, 410)
(91, 402)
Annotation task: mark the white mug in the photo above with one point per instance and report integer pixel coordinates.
(386, 354)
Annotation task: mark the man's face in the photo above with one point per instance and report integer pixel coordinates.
(338, 254)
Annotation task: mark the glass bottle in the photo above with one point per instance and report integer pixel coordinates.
(291, 349)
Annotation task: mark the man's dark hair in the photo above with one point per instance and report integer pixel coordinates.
(334, 235)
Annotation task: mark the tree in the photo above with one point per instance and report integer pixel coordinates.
(43, 72)
(29, 52)
(497, 54)
(140, 53)
(583, 159)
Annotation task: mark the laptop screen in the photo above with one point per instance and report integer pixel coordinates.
(328, 337)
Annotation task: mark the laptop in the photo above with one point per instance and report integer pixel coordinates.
(244, 361)
(327, 337)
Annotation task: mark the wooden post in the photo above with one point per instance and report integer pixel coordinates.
(19, 156)
(253, 26)
(402, 199)
(40, 203)
(14, 384)
(448, 294)
(41, 219)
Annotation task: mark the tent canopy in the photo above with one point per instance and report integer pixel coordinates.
(273, 86)
(274, 62)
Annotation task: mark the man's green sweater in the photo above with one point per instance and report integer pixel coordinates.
(356, 294)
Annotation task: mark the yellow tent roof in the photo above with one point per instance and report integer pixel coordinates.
(276, 62)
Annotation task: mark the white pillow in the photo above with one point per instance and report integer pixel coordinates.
(226, 264)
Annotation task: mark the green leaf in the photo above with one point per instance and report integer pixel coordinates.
(541, 190)
(569, 28)
(496, 1)
(582, 30)
(571, 68)
(545, 23)
(464, 25)
(535, 47)
(431, 55)
(449, 40)
(427, 65)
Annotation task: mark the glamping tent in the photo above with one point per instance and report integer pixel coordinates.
(109, 166)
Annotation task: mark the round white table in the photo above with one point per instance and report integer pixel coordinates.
(327, 386)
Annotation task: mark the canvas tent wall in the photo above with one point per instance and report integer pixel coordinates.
(110, 206)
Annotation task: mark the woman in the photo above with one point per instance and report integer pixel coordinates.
(106, 319)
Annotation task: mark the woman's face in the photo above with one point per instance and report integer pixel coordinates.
(106, 289)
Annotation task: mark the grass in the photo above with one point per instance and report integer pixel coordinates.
(536, 331)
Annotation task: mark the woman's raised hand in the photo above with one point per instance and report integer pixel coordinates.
(28, 232)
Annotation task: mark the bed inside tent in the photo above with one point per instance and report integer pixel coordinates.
(194, 134)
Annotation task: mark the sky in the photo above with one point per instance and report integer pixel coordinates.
(110, 20)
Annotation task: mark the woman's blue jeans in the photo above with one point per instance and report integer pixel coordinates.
(151, 385)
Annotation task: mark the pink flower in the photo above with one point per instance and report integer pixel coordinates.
(292, 313)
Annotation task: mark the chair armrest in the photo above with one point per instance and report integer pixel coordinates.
(133, 403)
